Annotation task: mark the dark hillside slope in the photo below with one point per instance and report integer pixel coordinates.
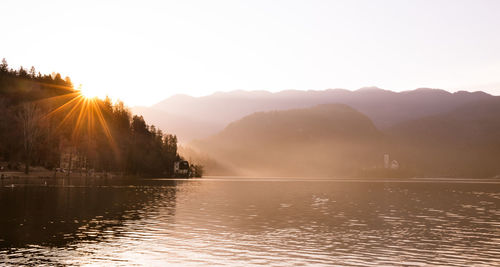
(464, 142)
(325, 140)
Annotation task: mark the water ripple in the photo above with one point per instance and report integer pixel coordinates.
(254, 222)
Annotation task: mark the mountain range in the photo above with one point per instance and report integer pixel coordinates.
(199, 117)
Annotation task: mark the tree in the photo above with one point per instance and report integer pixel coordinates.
(4, 67)
(29, 116)
(22, 72)
(32, 72)
(196, 170)
(68, 81)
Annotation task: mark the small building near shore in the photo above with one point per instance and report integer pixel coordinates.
(181, 168)
(386, 161)
(394, 165)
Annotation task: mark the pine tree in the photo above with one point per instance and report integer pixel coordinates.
(4, 67)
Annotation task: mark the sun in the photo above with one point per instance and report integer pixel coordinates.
(89, 93)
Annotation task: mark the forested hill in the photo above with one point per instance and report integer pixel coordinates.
(17, 86)
(464, 142)
(43, 119)
(325, 140)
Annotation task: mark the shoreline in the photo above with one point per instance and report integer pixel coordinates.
(55, 175)
(58, 175)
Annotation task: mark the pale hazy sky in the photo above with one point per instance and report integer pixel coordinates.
(144, 51)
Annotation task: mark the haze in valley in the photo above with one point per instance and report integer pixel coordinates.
(336, 132)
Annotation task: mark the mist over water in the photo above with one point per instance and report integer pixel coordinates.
(250, 221)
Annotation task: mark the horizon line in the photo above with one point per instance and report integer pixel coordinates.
(365, 88)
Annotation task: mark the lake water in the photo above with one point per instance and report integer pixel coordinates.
(244, 221)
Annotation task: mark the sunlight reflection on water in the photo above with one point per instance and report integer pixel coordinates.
(241, 222)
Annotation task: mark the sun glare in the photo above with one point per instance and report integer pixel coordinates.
(88, 93)
(83, 113)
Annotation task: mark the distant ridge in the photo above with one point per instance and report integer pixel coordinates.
(385, 108)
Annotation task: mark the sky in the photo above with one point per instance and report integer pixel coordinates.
(144, 51)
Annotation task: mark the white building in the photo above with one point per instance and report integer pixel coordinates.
(386, 161)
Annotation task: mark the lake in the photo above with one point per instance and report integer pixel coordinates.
(249, 221)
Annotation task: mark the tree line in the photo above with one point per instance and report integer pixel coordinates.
(46, 122)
